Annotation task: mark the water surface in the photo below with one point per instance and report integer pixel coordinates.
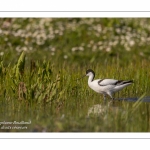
(133, 99)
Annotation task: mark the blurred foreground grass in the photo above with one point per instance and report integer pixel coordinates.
(75, 40)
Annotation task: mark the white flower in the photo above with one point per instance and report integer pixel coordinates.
(65, 56)
(1, 53)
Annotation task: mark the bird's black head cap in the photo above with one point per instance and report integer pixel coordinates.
(90, 70)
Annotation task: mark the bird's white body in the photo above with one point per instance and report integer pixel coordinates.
(106, 86)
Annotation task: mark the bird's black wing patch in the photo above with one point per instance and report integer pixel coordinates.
(115, 83)
(99, 82)
(119, 82)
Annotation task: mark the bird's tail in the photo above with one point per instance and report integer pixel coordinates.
(121, 82)
(130, 81)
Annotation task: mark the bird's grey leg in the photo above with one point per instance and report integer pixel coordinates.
(113, 98)
(104, 97)
(110, 94)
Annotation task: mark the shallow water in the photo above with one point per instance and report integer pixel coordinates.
(132, 99)
(99, 109)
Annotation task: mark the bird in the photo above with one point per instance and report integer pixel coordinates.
(105, 86)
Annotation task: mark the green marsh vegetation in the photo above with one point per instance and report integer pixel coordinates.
(40, 60)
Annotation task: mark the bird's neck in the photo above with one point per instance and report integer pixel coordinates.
(91, 77)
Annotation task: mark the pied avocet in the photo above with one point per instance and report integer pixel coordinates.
(105, 86)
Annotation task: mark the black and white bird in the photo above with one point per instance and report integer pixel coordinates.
(105, 86)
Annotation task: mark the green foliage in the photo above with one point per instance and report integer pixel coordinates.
(20, 66)
(73, 39)
(68, 104)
